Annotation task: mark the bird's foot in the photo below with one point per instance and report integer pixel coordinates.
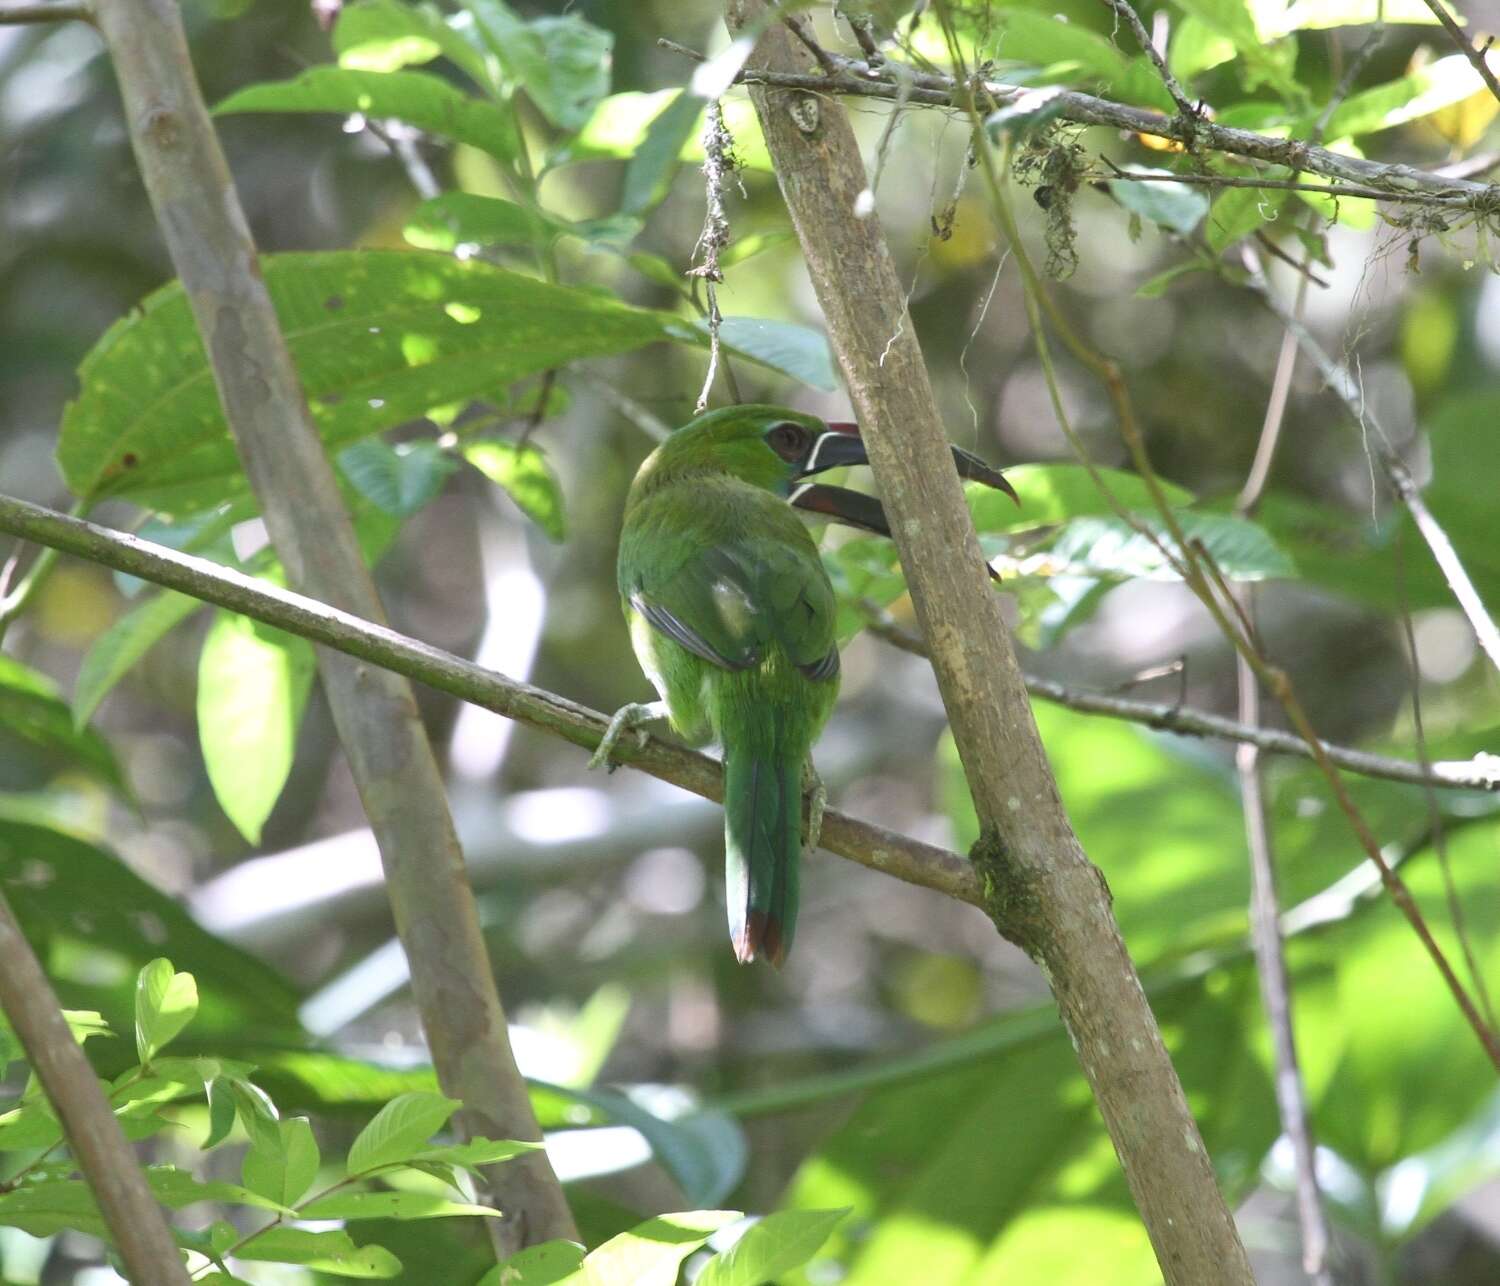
(627, 718)
(817, 803)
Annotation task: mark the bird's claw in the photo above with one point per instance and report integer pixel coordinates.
(627, 718)
(817, 804)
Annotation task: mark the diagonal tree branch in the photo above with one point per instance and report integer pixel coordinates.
(1476, 57)
(873, 846)
(1393, 181)
(374, 710)
(135, 1220)
(1479, 773)
(1041, 890)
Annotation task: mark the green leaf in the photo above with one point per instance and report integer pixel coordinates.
(1031, 36)
(379, 339)
(1110, 547)
(1176, 207)
(327, 1252)
(45, 1209)
(1429, 89)
(69, 892)
(1155, 287)
(648, 176)
(798, 351)
(177, 1188)
(1196, 47)
(651, 1252)
(457, 218)
(398, 479)
(1265, 62)
(387, 35)
(561, 63)
(525, 475)
(549, 1264)
(949, 1182)
(477, 1152)
(1238, 212)
(418, 98)
(399, 1130)
(282, 1164)
(253, 683)
(33, 712)
(115, 652)
(774, 1245)
(391, 1205)
(165, 1002)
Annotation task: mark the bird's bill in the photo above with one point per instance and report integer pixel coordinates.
(841, 446)
(852, 508)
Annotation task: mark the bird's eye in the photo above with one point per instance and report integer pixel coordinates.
(789, 441)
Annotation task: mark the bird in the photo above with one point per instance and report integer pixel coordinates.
(732, 618)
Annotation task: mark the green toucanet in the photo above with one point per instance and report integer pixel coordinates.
(731, 616)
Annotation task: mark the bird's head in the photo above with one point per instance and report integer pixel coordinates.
(778, 449)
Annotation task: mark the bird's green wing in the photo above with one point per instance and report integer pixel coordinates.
(727, 585)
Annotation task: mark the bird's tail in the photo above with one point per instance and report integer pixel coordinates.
(762, 834)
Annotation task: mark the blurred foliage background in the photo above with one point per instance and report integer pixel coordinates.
(905, 1063)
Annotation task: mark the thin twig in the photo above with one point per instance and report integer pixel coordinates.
(1282, 185)
(117, 1182)
(907, 859)
(1265, 903)
(1338, 377)
(1123, 9)
(1435, 826)
(645, 419)
(1476, 57)
(1185, 721)
(1345, 87)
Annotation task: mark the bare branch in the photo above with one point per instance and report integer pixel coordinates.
(18, 14)
(1286, 185)
(1481, 773)
(907, 859)
(1338, 377)
(1123, 9)
(857, 78)
(1041, 890)
(1475, 56)
(99, 1145)
(391, 760)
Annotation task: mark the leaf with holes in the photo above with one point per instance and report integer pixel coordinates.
(379, 338)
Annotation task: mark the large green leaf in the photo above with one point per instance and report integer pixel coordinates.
(799, 351)
(63, 888)
(418, 98)
(253, 683)
(998, 1171)
(1112, 548)
(379, 338)
(282, 1161)
(1419, 93)
(457, 218)
(650, 171)
(33, 713)
(328, 1252)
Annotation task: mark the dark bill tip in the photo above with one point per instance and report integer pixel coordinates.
(970, 466)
